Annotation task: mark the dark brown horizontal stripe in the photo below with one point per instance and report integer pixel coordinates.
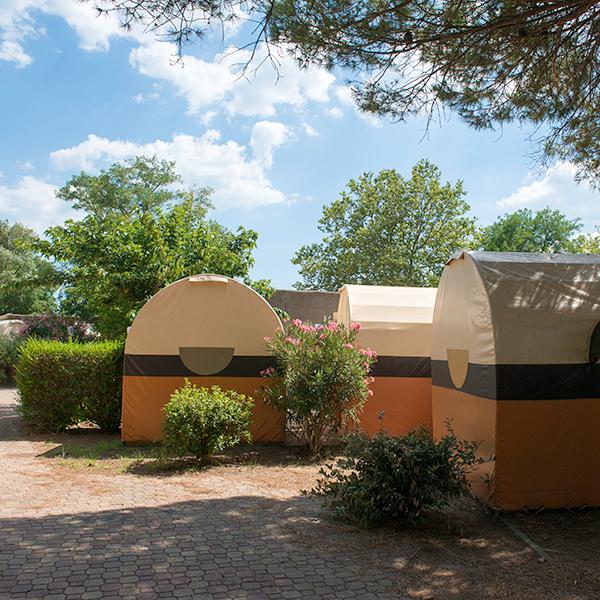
(402, 366)
(524, 382)
(159, 365)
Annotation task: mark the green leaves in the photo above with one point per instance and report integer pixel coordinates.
(63, 383)
(200, 421)
(140, 234)
(28, 280)
(394, 479)
(321, 379)
(524, 231)
(387, 230)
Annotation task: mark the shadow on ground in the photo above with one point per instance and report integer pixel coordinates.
(255, 548)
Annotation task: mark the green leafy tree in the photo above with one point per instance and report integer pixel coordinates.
(27, 280)
(546, 230)
(387, 230)
(141, 232)
(491, 61)
(589, 243)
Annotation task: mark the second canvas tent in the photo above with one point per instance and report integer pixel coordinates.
(396, 323)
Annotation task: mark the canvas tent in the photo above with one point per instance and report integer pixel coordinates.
(314, 306)
(208, 328)
(396, 323)
(515, 345)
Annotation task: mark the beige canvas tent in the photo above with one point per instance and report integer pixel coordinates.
(208, 328)
(396, 323)
(515, 346)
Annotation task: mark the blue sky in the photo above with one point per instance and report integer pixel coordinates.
(80, 93)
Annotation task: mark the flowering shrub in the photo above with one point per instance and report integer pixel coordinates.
(320, 378)
(57, 327)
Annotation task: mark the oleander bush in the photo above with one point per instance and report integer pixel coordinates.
(63, 383)
(320, 379)
(58, 328)
(395, 478)
(200, 421)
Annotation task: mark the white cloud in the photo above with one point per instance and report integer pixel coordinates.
(14, 52)
(267, 135)
(24, 165)
(237, 179)
(555, 187)
(345, 95)
(309, 130)
(335, 112)
(220, 82)
(94, 29)
(17, 25)
(33, 202)
(88, 154)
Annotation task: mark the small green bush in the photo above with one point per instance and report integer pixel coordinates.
(201, 421)
(393, 479)
(9, 348)
(63, 383)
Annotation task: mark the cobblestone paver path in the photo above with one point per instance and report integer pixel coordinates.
(85, 535)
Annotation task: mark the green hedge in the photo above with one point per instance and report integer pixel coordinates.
(63, 383)
(9, 347)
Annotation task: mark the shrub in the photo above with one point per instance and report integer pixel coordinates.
(63, 383)
(393, 479)
(201, 421)
(9, 347)
(57, 327)
(320, 379)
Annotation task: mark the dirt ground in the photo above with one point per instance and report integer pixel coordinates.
(82, 516)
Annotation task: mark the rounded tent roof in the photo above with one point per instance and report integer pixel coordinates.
(395, 321)
(203, 311)
(517, 308)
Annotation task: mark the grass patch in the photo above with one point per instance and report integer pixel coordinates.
(85, 452)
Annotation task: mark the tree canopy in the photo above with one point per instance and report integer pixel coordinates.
(28, 280)
(491, 61)
(387, 230)
(524, 231)
(140, 233)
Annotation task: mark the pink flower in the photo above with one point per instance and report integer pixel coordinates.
(356, 326)
(370, 392)
(267, 339)
(297, 323)
(349, 346)
(332, 326)
(293, 341)
(322, 336)
(268, 372)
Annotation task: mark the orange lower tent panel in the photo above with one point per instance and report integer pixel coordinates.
(471, 418)
(547, 452)
(403, 402)
(145, 397)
